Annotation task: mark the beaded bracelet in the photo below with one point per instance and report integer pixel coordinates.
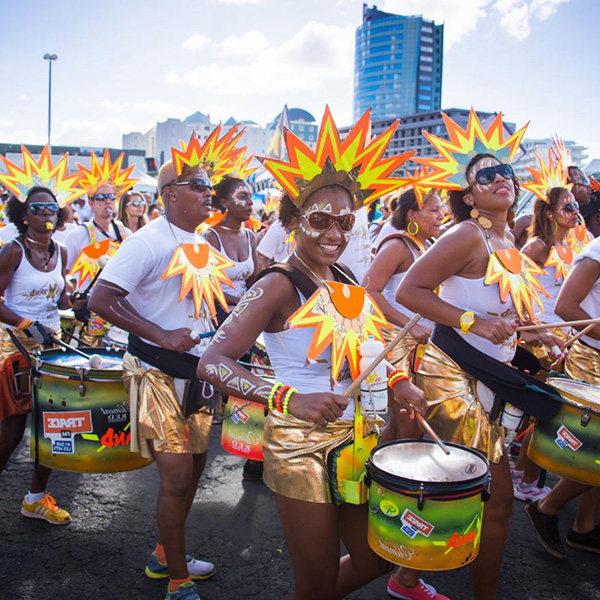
(286, 400)
(395, 377)
(24, 324)
(274, 389)
(279, 397)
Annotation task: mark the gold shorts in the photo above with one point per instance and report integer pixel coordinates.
(295, 466)
(583, 363)
(156, 416)
(455, 412)
(401, 354)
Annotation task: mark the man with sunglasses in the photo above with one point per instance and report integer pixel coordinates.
(163, 352)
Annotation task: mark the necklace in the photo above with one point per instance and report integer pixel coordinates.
(230, 228)
(36, 242)
(294, 253)
(49, 250)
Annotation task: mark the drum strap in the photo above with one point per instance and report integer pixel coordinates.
(532, 396)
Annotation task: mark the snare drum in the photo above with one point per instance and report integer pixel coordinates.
(243, 425)
(80, 416)
(67, 319)
(569, 443)
(426, 508)
(117, 337)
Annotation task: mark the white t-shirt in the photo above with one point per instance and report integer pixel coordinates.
(8, 233)
(79, 237)
(591, 303)
(137, 267)
(356, 256)
(61, 236)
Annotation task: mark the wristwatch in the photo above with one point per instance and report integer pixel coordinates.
(466, 321)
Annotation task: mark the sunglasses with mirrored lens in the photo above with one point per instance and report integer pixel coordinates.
(487, 175)
(39, 208)
(136, 203)
(104, 197)
(584, 182)
(197, 185)
(571, 207)
(323, 221)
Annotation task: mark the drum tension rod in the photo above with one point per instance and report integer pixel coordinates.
(585, 419)
(421, 502)
(81, 384)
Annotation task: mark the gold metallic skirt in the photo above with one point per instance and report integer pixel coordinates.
(583, 363)
(401, 354)
(156, 416)
(295, 466)
(455, 411)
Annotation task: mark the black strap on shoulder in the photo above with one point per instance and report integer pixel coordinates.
(398, 236)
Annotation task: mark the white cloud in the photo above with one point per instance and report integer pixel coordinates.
(196, 42)
(544, 9)
(240, 1)
(515, 18)
(152, 107)
(316, 54)
(21, 136)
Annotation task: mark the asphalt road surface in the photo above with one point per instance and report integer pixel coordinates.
(102, 553)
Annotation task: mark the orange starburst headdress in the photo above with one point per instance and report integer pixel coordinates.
(357, 163)
(448, 170)
(548, 176)
(41, 173)
(561, 152)
(344, 316)
(106, 173)
(218, 157)
(418, 181)
(202, 271)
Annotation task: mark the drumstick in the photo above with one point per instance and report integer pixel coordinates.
(570, 341)
(561, 324)
(434, 436)
(381, 356)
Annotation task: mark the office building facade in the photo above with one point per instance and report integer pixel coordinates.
(398, 65)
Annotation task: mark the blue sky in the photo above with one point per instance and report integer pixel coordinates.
(124, 65)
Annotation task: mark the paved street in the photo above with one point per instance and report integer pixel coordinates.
(103, 552)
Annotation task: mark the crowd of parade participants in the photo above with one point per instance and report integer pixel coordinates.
(205, 295)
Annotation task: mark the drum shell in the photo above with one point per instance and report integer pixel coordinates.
(89, 433)
(579, 456)
(448, 531)
(242, 430)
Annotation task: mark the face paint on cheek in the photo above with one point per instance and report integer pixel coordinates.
(309, 231)
(236, 198)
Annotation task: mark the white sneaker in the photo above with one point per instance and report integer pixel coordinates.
(516, 475)
(529, 492)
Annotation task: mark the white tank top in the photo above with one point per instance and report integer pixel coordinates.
(241, 270)
(552, 287)
(484, 301)
(34, 294)
(389, 291)
(288, 351)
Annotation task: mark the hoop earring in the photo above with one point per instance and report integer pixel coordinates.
(554, 226)
(510, 218)
(416, 228)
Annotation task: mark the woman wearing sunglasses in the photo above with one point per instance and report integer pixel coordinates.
(32, 280)
(132, 211)
(309, 418)
(485, 287)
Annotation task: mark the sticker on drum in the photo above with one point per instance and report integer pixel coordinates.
(243, 425)
(426, 508)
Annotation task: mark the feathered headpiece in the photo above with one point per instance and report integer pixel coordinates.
(548, 176)
(218, 157)
(106, 173)
(41, 173)
(357, 163)
(448, 170)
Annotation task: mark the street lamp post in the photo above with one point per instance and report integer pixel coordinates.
(50, 58)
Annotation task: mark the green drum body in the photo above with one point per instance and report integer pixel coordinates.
(426, 508)
(243, 425)
(80, 416)
(569, 443)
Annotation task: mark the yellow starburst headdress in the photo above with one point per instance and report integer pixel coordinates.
(418, 181)
(448, 170)
(41, 173)
(548, 176)
(218, 157)
(357, 163)
(106, 173)
(561, 152)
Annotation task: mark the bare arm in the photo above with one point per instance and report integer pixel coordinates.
(536, 250)
(63, 302)
(10, 259)
(576, 287)
(520, 230)
(460, 251)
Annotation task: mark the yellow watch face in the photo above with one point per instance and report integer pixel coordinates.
(466, 320)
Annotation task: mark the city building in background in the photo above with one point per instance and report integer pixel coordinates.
(398, 65)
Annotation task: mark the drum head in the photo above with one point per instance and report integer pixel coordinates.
(425, 461)
(67, 363)
(578, 393)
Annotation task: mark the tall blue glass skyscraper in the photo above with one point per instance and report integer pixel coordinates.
(398, 65)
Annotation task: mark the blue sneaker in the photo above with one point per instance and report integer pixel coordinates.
(198, 569)
(185, 591)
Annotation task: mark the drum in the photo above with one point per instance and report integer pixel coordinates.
(243, 425)
(260, 358)
(67, 320)
(80, 418)
(117, 337)
(425, 507)
(569, 443)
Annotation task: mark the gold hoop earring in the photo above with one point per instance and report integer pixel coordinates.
(554, 226)
(416, 228)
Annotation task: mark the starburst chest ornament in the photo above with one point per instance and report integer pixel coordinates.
(561, 258)
(516, 276)
(86, 266)
(344, 316)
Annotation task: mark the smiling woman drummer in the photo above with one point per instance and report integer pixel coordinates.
(476, 320)
(310, 418)
(32, 280)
